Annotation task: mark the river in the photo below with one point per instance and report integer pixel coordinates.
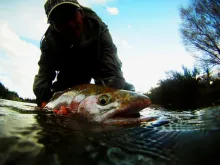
(178, 138)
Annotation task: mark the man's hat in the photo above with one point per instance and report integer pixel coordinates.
(50, 5)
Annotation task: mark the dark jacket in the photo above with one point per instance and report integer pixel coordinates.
(94, 55)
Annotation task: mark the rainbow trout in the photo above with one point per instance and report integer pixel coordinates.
(100, 104)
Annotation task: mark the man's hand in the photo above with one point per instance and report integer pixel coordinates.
(43, 104)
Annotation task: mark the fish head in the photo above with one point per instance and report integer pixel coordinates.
(113, 107)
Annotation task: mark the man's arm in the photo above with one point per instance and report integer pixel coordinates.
(45, 76)
(109, 71)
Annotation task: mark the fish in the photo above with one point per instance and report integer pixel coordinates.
(100, 104)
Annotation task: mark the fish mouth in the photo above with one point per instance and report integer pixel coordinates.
(129, 114)
(126, 115)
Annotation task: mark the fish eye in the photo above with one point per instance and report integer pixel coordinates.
(103, 100)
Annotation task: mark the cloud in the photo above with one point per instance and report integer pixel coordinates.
(146, 71)
(144, 66)
(112, 10)
(18, 64)
(123, 43)
(26, 19)
(93, 2)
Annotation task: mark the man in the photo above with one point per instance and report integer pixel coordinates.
(76, 47)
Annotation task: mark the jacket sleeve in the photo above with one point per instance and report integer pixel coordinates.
(109, 71)
(43, 79)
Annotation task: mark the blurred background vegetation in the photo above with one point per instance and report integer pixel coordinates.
(5, 93)
(186, 90)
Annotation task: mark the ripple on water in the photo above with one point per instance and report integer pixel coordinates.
(189, 138)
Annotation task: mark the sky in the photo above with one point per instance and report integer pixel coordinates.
(145, 32)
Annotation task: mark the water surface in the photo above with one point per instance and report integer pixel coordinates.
(183, 138)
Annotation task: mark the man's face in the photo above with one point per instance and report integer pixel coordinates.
(67, 20)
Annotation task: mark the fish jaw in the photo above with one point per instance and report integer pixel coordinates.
(132, 103)
(128, 110)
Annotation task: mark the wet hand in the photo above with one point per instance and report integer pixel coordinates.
(43, 104)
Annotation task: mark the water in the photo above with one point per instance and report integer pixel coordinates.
(179, 138)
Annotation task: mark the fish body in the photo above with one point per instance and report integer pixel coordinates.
(100, 104)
